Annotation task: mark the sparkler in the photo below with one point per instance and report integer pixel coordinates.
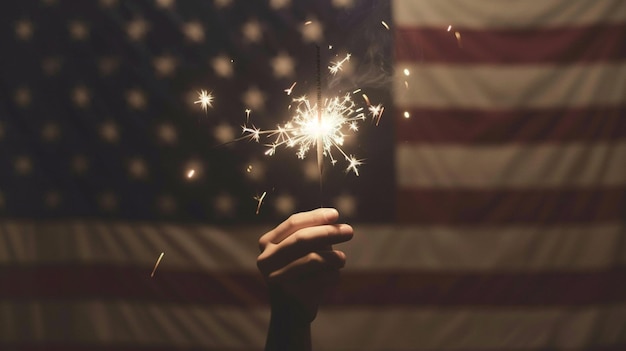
(338, 66)
(205, 99)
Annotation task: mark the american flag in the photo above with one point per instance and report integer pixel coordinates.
(490, 213)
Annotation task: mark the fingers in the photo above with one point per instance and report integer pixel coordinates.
(302, 243)
(298, 221)
(309, 265)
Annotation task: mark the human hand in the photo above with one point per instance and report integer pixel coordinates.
(299, 264)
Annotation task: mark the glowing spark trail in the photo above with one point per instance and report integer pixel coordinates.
(290, 89)
(260, 201)
(157, 264)
(338, 66)
(205, 99)
(385, 24)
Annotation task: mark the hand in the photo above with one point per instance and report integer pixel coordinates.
(299, 264)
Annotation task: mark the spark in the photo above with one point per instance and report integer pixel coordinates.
(290, 89)
(385, 24)
(458, 39)
(340, 116)
(449, 27)
(260, 201)
(157, 264)
(377, 112)
(338, 66)
(407, 114)
(205, 99)
(353, 164)
(307, 23)
(407, 72)
(191, 173)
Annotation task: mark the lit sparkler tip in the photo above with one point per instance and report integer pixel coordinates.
(205, 99)
(157, 264)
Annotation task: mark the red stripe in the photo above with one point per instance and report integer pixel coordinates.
(523, 46)
(79, 282)
(491, 207)
(489, 127)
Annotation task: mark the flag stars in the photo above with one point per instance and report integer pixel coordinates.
(136, 99)
(166, 204)
(165, 4)
(52, 199)
(81, 97)
(164, 65)
(23, 165)
(80, 164)
(193, 169)
(223, 66)
(50, 132)
(193, 31)
(108, 65)
(344, 4)
(24, 29)
(166, 133)
(311, 171)
(283, 65)
(224, 133)
(137, 29)
(255, 170)
(346, 205)
(252, 31)
(107, 201)
(222, 3)
(284, 204)
(51, 65)
(23, 97)
(109, 132)
(312, 31)
(79, 30)
(137, 168)
(254, 98)
(224, 205)
(107, 3)
(279, 4)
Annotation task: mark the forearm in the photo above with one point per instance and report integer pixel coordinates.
(288, 332)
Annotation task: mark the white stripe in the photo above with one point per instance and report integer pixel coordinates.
(470, 329)
(507, 248)
(509, 86)
(187, 326)
(140, 324)
(510, 166)
(481, 14)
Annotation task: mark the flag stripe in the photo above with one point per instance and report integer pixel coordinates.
(479, 127)
(492, 207)
(389, 288)
(530, 46)
(511, 166)
(472, 328)
(509, 87)
(512, 247)
(515, 14)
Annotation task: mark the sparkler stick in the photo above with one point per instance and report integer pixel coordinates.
(320, 146)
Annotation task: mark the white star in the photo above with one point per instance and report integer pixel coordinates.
(108, 65)
(23, 165)
(136, 99)
(252, 31)
(23, 97)
(194, 31)
(164, 65)
(224, 204)
(223, 66)
(205, 99)
(312, 31)
(279, 4)
(50, 132)
(223, 133)
(343, 3)
(24, 29)
(346, 205)
(81, 96)
(167, 133)
(137, 29)
(137, 168)
(51, 65)
(283, 65)
(80, 164)
(166, 204)
(284, 204)
(255, 170)
(222, 3)
(78, 30)
(109, 132)
(254, 98)
(165, 3)
(52, 199)
(108, 3)
(107, 201)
